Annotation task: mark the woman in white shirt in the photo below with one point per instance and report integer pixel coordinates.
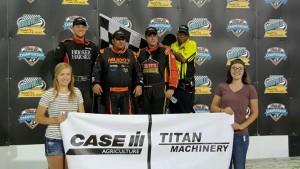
(62, 98)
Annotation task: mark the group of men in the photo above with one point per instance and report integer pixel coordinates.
(162, 76)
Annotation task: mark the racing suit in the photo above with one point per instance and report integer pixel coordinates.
(81, 55)
(118, 73)
(160, 74)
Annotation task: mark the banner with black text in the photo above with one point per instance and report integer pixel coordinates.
(172, 141)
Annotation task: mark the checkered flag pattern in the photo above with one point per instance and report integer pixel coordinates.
(108, 26)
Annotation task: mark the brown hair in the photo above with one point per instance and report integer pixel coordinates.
(59, 67)
(245, 78)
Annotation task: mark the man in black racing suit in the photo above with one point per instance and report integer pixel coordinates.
(160, 74)
(81, 54)
(120, 71)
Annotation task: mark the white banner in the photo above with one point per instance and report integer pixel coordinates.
(172, 141)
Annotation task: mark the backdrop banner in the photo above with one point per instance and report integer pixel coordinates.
(176, 141)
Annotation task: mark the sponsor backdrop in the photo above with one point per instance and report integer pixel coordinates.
(263, 33)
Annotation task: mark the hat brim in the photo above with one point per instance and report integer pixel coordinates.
(185, 32)
(80, 23)
(120, 37)
(151, 32)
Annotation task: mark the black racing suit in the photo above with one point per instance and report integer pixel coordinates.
(81, 55)
(118, 73)
(160, 74)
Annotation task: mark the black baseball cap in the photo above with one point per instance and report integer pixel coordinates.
(79, 21)
(183, 29)
(119, 35)
(150, 30)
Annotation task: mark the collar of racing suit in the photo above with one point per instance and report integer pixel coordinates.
(149, 50)
(84, 41)
(118, 52)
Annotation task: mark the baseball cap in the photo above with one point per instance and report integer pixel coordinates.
(79, 21)
(150, 30)
(119, 35)
(183, 29)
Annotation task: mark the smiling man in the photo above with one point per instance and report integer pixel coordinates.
(81, 54)
(160, 74)
(185, 51)
(115, 74)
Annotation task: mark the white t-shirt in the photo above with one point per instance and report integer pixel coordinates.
(57, 105)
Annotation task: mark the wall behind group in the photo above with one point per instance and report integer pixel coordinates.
(251, 30)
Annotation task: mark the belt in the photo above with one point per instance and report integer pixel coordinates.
(82, 78)
(154, 84)
(118, 89)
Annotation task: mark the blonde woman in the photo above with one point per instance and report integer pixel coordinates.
(62, 98)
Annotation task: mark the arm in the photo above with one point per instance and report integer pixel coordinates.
(214, 107)
(186, 54)
(94, 56)
(96, 76)
(179, 57)
(139, 78)
(81, 108)
(60, 52)
(173, 74)
(42, 119)
(251, 118)
(173, 71)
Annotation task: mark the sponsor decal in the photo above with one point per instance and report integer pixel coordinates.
(237, 27)
(276, 3)
(202, 85)
(133, 144)
(31, 54)
(31, 24)
(124, 21)
(107, 144)
(119, 2)
(27, 116)
(276, 84)
(203, 54)
(159, 3)
(199, 3)
(68, 24)
(75, 2)
(275, 55)
(118, 60)
(238, 4)
(275, 28)
(190, 142)
(276, 111)
(31, 87)
(238, 53)
(161, 24)
(150, 66)
(201, 108)
(200, 27)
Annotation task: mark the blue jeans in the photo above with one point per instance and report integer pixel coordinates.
(54, 147)
(239, 151)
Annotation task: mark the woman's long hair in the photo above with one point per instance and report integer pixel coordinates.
(60, 67)
(245, 78)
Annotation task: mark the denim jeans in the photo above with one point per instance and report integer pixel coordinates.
(239, 151)
(54, 147)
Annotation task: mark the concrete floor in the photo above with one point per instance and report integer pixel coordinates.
(274, 163)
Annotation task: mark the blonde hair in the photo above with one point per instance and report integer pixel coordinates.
(60, 67)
